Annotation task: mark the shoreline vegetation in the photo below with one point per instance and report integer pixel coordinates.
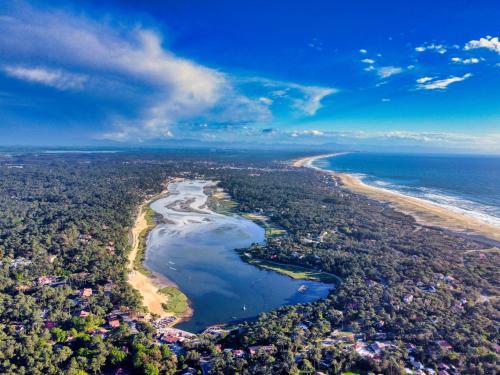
(291, 270)
(157, 292)
(424, 212)
(220, 202)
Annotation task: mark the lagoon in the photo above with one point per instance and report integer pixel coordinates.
(195, 249)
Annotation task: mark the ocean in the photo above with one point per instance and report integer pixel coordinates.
(462, 183)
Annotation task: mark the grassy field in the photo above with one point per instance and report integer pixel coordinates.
(220, 202)
(224, 206)
(271, 231)
(274, 232)
(295, 272)
(177, 301)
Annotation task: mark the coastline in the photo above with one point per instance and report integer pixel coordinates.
(149, 286)
(424, 212)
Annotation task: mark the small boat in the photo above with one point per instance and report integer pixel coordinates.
(244, 307)
(302, 288)
(172, 268)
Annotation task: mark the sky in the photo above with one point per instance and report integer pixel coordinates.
(421, 75)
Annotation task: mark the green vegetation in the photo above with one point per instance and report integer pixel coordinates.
(220, 202)
(274, 232)
(295, 272)
(271, 229)
(64, 227)
(177, 301)
(142, 241)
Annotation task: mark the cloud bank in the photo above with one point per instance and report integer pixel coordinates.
(117, 59)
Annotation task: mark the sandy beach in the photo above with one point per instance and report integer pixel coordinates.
(425, 212)
(148, 286)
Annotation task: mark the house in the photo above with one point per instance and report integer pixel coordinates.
(114, 323)
(254, 349)
(83, 314)
(408, 298)
(100, 331)
(449, 279)
(416, 364)
(46, 280)
(377, 347)
(86, 292)
(238, 353)
(443, 344)
(22, 287)
(443, 366)
(170, 338)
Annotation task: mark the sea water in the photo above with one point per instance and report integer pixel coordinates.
(469, 184)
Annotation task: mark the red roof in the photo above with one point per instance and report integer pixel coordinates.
(87, 292)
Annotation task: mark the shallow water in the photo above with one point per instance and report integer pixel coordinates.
(196, 251)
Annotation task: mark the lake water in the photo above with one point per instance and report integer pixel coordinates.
(468, 184)
(195, 250)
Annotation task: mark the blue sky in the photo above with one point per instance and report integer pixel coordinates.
(420, 74)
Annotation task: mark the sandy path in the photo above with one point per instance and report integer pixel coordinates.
(147, 286)
(423, 211)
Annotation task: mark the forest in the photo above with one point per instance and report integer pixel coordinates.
(411, 296)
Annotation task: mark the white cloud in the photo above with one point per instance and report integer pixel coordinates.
(387, 71)
(488, 42)
(311, 103)
(368, 61)
(56, 78)
(306, 99)
(472, 60)
(165, 90)
(439, 48)
(424, 79)
(441, 84)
